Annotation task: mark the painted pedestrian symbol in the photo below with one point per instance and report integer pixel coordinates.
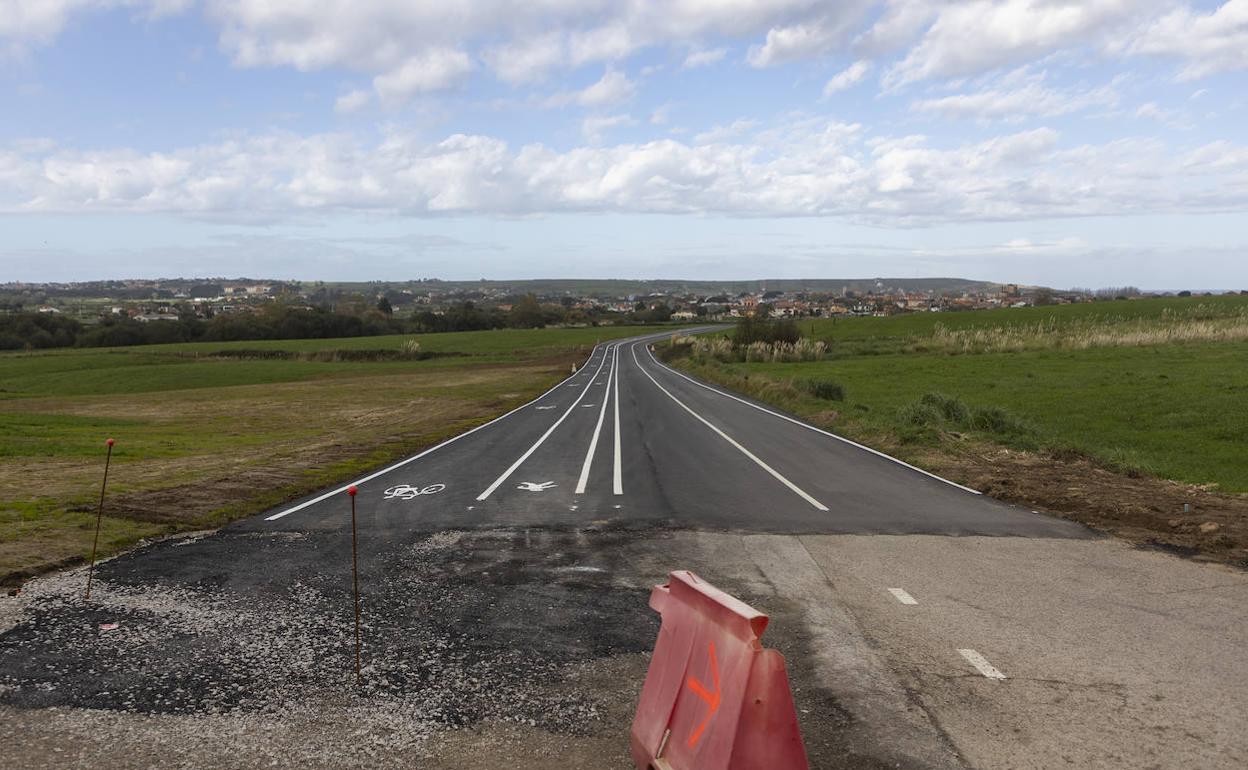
(408, 492)
(531, 486)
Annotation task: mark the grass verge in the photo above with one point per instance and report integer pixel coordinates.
(203, 438)
(1144, 440)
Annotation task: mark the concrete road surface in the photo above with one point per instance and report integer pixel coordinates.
(505, 576)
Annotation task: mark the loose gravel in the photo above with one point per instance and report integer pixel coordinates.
(461, 630)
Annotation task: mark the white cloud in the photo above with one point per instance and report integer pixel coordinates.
(1154, 111)
(804, 40)
(1032, 99)
(705, 58)
(520, 41)
(528, 60)
(968, 38)
(808, 167)
(26, 23)
(901, 22)
(1207, 43)
(612, 88)
(432, 70)
(847, 78)
(595, 126)
(352, 101)
(734, 130)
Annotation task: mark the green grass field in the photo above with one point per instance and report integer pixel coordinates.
(202, 439)
(1177, 410)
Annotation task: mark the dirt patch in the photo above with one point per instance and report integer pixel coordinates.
(1144, 510)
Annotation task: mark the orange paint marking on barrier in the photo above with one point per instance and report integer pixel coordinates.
(714, 698)
(711, 698)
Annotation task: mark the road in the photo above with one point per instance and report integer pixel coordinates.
(628, 438)
(505, 574)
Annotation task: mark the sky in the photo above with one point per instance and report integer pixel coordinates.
(1091, 143)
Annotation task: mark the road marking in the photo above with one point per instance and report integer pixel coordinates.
(812, 427)
(729, 439)
(617, 475)
(591, 406)
(533, 486)
(411, 459)
(902, 596)
(499, 481)
(408, 492)
(981, 664)
(552, 406)
(593, 442)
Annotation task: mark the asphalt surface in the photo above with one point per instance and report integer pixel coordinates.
(687, 455)
(505, 577)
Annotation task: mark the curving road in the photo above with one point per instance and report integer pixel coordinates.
(628, 438)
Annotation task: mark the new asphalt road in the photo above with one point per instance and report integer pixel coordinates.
(505, 575)
(629, 439)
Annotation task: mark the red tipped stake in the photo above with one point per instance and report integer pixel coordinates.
(99, 515)
(355, 581)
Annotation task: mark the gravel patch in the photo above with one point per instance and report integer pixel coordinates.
(223, 662)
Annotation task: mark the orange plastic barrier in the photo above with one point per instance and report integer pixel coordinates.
(714, 699)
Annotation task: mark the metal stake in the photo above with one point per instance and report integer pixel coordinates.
(99, 516)
(355, 580)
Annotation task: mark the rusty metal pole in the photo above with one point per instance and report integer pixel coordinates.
(355, 581)
(99, 516)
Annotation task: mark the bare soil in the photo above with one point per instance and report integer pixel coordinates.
(1144, 510)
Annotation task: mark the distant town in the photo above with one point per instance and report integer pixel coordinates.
(173, 299)
(137, 312)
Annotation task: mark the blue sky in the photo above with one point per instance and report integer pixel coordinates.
(1089, 143)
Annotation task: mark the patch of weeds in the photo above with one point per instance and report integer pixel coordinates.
(828, 390)
(1127, 463)
(937, 413)
(950, 408)
(994, 419)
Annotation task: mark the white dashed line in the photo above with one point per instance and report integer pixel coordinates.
(981, 664)
(520, 460)
(901, 596)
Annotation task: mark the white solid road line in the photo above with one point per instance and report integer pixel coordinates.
(520, 460)
(812, 427)
(728, 438)
(981, 664)
(416, 457)
(901, 596)
(617, 484)
(593, 442)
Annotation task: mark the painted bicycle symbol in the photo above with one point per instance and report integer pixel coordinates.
(408, 492)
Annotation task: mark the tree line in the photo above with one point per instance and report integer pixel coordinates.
(33, 331)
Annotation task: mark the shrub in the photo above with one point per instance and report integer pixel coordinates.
(828, 390)
(950, 408)
(994, 419)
